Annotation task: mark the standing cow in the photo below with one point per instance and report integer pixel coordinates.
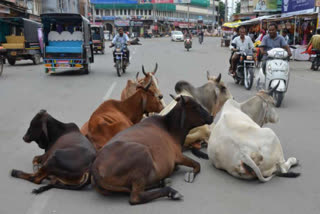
(240, 146)
(141, 156)
(67, 158)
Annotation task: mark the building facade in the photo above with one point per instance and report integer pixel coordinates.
(140, 17)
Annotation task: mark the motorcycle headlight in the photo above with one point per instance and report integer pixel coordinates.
(118, 50)
(249, 57)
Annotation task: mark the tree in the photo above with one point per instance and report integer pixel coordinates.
(222, 7)
(238, 7)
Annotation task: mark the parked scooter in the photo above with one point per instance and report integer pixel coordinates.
(187, 43)
(245, 69)
(277, 73)
(315, 59)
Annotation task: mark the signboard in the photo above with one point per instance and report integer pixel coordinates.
(182, 1)
(108, 18)
(265, 5)
(293, 7)
(121, 23)
(156, 1)
(318, 24)
(114, 1)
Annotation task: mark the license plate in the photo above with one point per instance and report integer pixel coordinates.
(313, 55)
(118, 57)
(13, 53)
(63, 65)
(99, 47)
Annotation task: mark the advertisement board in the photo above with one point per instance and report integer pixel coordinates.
(156, 1)
(182, 1)
(265, 5)
(114, 1)
(293, 7)
(121, 23)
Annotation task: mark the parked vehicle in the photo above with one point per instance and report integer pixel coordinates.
(121, 60)
(19, 36)
(2, 58)
(67, 42)
(277, 73)
(245, 69)
(98, 38)
(177, 36)
(315, 59)
(188, 44)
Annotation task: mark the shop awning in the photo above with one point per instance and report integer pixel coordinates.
(257, 20)
(232, 24)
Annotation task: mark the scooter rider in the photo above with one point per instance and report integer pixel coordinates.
(270, 41)
(241, 42)
(123, 39)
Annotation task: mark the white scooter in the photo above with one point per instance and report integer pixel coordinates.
(277, 72)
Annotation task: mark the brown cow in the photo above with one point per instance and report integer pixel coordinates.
(113, 116)
(67, 158)
(141, 156)
(131, 86)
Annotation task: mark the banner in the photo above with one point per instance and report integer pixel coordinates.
(265, 5)
(156, 1)
(121, 23)
(293, 7)
(182, 1)
(114, 1)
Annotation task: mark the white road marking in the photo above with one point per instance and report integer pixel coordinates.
(107, 95)
(39, 203)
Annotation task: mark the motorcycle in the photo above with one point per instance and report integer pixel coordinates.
(315, 59)
(277, 73)
(187, 43)
(121, 61)
(245, 69)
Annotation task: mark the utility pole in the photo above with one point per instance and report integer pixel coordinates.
(214, 13)
(226, 11)
(188, 14)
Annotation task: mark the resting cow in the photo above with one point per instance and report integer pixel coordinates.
(131, 86)
(67, 158)
(113, 116)
(211, 96)
(240, 146)
(141, 156)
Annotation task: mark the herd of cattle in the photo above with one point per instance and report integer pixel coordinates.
(135, 144)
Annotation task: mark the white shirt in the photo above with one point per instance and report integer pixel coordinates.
(242, 45)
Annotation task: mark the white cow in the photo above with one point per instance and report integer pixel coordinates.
(240, 146)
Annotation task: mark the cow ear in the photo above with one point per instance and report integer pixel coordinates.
(44, 125)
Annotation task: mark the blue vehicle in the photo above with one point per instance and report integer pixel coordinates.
(67, 42)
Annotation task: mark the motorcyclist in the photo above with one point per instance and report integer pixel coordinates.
(242, 43)
(201, 34)
(188, 35)
(124, 40)
(270, 41)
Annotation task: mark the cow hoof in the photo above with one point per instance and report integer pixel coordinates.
(15, 173)
(167, 182)
(189, 177)
(175, 195)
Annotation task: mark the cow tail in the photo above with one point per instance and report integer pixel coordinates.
(42, 189)
(249, 162)
(199, 153)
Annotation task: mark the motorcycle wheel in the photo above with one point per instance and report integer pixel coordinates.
(124, 67)
(12, 61)
(278, 97)
(315, 64)
(187, 49)
(236, 80)
(249, 80)
(118, 67)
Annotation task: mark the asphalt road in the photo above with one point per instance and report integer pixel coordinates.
(25, 89)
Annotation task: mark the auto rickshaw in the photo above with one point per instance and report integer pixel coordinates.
(67, 42)
(19, 36)
(98, 38)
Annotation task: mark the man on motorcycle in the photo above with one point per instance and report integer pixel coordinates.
(241, 42)
(201, 34)
(270, 41)
(123, 39)
(187, 35)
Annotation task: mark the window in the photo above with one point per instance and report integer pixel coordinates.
(129, 12)
(125, 12)
(137, 12)
(145, 12)
(97, 12)
(141, 12)
(149, 12)
(121, 12)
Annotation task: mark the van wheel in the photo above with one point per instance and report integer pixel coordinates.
(12, 61)
(36, 59)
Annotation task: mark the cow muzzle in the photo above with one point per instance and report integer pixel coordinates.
(26, 139)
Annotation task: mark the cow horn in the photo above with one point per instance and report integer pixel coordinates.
(143, 71)
(208, 75)
(155, 69)
(172, 96)
(273, 89)
(137, 75)
(218, 78)
(148, 85)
